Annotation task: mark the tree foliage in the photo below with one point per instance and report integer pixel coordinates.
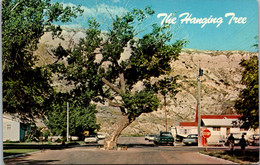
(26, 87)
(98, 63)
(81, 118)
(248, 102)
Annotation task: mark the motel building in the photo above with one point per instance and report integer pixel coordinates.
(220, 126)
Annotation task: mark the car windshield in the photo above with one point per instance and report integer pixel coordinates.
(192, 136)
(166, 134)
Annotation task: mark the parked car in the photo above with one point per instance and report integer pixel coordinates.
(253, 140)
(191, 139)
(149, 137)
(73, 138)
(164, 138)
(91, 139)
(101, 135)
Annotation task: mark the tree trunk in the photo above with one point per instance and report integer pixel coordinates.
(110, 141)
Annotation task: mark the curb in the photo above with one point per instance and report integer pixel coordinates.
(230, 162)
(20, 155)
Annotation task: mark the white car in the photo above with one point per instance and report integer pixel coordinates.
(91, 139)
(149, 137)
(101, 135)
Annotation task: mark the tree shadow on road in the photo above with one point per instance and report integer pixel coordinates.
(133, 145)
(129, 145)
(40, 146)
(21, 160)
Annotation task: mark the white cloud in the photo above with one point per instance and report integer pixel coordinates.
(100, 10)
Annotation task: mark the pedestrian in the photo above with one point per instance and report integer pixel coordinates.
(231, 141)
(242, 143)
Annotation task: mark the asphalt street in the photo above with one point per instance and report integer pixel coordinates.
(138, 151)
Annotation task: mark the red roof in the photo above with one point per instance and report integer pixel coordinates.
(210, 117)
(188, 124)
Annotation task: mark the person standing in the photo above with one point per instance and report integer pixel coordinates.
(231, 141)
(243, 144)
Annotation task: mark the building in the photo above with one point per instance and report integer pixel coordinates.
(220, 126)
(13, 129)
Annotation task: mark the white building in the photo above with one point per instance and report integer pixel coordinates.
(220, 126)
(13, 129)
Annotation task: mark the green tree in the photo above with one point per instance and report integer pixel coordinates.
(248, 102)
(81, 118)
(98, 64)
(26, 87)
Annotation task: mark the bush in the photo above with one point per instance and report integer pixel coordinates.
(58, 140)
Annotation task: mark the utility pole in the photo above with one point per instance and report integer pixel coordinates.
(200, 73)
(165, 113)
(68, 121)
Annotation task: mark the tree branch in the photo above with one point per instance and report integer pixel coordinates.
(114, 88)
(122, 82)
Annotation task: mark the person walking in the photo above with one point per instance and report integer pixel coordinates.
(231, 141)
(243, 144)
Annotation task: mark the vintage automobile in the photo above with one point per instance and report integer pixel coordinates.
(164, 138)
(191, 139)
(149, 137)
(91, 139)
(101, 135)
(253, 140)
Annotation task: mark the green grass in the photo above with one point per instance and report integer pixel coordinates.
(9, 152)
(236, 156)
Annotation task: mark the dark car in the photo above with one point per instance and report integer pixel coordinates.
(191, 139)
(164, 138)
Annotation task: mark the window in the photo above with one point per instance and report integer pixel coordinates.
(8, 126)
(243, 129)
(216, 128)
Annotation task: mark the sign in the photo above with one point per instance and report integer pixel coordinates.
(206, 133)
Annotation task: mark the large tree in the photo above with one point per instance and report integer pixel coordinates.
(26, 86)
(98, 64)
(248, 102)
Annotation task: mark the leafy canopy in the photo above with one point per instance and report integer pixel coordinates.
(26, 87)
(99, 62)
(81, 118)
(248, 102)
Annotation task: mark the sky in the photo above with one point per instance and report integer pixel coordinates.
(206, 24)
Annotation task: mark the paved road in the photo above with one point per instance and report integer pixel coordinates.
(138, 152)
(82, 155)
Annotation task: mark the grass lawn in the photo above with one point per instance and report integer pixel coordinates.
(9, 152)
(236, 156)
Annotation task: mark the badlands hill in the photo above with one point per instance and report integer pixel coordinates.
(220, 86)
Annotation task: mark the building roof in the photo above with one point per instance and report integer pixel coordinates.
(210, 119)
(220, 116)
(6, 116)
(188, 124)
(218, 122)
